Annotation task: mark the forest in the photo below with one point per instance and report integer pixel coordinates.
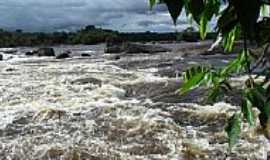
(91, 35)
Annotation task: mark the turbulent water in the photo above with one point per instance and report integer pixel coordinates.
(113, 107)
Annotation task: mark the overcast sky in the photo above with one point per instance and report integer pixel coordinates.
(59, 15)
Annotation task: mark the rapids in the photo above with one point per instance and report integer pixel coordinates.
(102, 108)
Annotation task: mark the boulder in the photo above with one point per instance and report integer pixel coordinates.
(114, 45)
(45, 52)
(144, 48)
(191, 37)
(1, 57)
(114, 49)
(30, 53)
(85, 55)
(117, 57)
(63, 55)
(134, 48)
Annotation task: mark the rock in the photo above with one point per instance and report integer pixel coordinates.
(1, 57)
(63, 55)
(92, 80)
(134, 48)
(85, 55)
(45, 52)
(114, 49)
(190, 35)
(31, 53)
(143, 48)
(117, 57)
(114, 45)
(156, 91)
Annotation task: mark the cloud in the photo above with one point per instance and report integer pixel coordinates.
(55, 15)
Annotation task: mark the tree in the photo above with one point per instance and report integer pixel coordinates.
(239, 19)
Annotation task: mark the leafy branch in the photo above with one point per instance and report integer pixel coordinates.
(239, 20)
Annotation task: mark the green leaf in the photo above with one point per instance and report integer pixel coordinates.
(247, 111)
(264, 10)
(152, 3)
(192, 83)
(220, 87)
(194, 77)
(257, 98)
(213, 94)
(233, 129)
(238, 65)
(230, 37)
(175, 8)
(203, 27)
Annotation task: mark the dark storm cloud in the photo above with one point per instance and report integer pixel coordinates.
(53, 15)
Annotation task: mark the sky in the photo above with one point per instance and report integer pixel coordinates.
(71, 15)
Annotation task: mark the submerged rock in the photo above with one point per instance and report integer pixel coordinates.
(63, 55)
(1, 57)
(87, 80)
(30, 53)
(129, 47)
(114, 48)
(85, 55)
(144, 48)
(114, 45)
(45, 52)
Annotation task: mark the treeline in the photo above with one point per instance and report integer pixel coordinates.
(88, 35)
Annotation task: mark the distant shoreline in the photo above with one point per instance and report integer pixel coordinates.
(91, 35)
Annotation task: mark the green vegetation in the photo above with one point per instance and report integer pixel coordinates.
(91, 35)
(239, 19)
(88, 35)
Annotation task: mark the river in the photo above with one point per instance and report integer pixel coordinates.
(113, 107)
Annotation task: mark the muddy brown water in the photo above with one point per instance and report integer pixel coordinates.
(101, 108)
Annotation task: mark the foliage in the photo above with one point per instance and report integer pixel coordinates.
(234, 129)
(240, 19)
(87, 35)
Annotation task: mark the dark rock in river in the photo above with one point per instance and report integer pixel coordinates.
(45, 52)
(189, 37)
(85, 55)
(134, 48)
(117, 57)
(1, 57)
(114, 48)
(30, 53)
(161, 92)
(63, 55)
(144, 48)
(114, 45)
(91, 80)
